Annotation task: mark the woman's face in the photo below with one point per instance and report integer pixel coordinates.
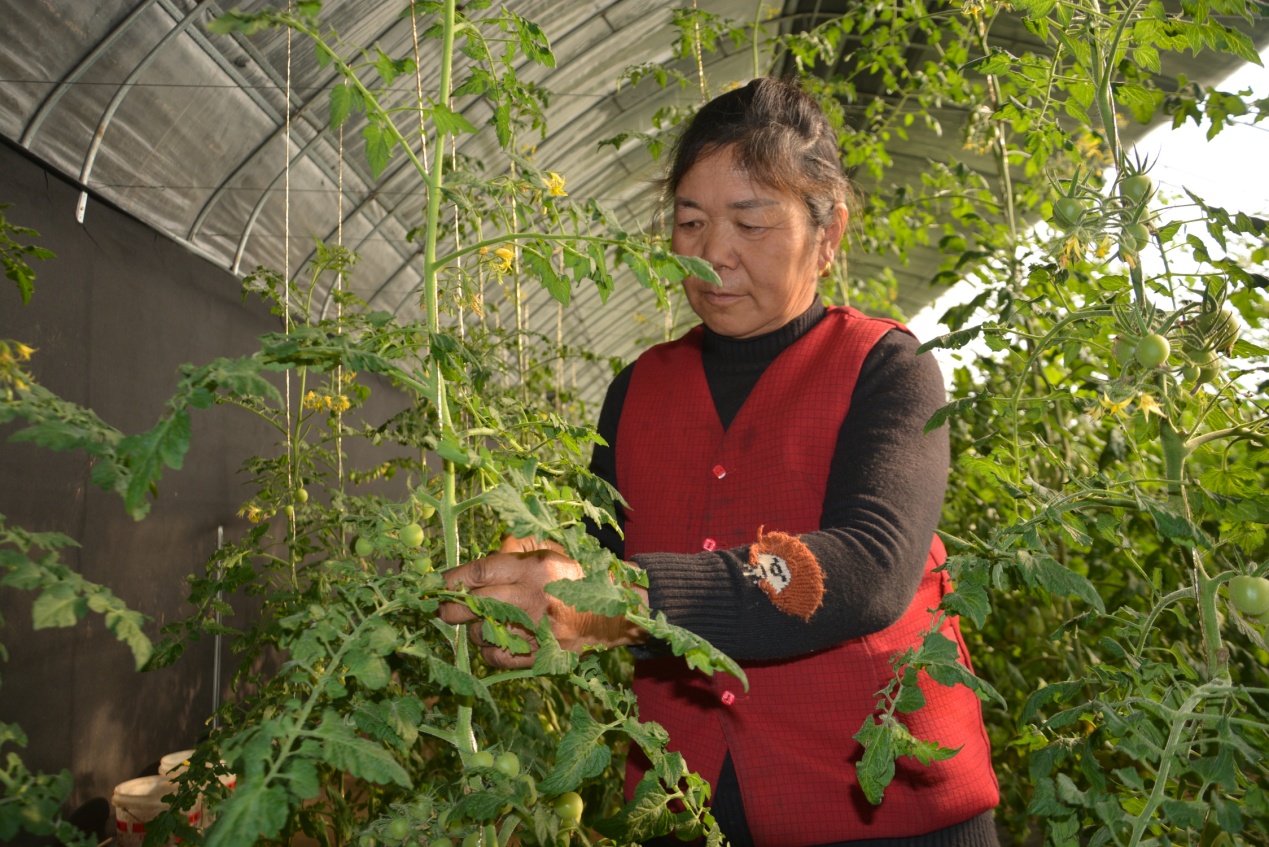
(760, 241)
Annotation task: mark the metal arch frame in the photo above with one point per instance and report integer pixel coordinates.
(124, 89)
(68, 81)
(303, 106)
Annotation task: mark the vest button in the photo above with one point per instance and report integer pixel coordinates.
(720, 471)
(709, 544)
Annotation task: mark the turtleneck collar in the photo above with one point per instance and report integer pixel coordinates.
(721, 351)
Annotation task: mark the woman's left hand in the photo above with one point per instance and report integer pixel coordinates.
(518, 574)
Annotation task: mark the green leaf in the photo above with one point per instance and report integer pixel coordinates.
(551, 659)
(58, 606)
(539, 263)
(910, 698)
(460, 682)
(876, 769)
(447, 121)
(524, 515)
(644, 817)
(1175, 526)
(146, 454)
(341, 105)
(360, 758)
(593, 593)
(253, 811)
(370, 670)
(379, 144)
(581, 754)
(1057, 579)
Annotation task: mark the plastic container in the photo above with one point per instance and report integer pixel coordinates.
(174, 764)
(136, 803)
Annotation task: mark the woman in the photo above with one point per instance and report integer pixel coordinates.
(782, 498)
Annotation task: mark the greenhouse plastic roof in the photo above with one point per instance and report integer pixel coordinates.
(188, 131)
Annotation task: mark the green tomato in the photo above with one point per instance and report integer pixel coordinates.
(301, 495)
(483, 759)
(1219, 330)
(426, 511)
(290, 511)
(1136, 236)
(1250, 594)
(1153, 350)
(472, 840)
(1067, 212)
(508, 764)
(1136, 189)
(363, 546)
(1124, 346)
(441, 842)
(568, 807)
(397, 829)
(422, 565)
(411, 535)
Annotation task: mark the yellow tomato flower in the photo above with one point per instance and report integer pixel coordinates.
(23, 352)
(507, 256)
(1148, 406)
(555, 185)
(1114, 407)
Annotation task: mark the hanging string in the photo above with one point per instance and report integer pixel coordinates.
(286, 265)
(453, 159)
(418, 89)
(339, 319)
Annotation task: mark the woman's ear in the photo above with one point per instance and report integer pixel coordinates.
(833, 234)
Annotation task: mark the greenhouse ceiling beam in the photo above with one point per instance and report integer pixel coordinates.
(264, 198)
(119, 96)
(300, 109)
(68, 81)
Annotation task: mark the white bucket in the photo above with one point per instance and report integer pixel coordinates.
(174, 764)
(137, 802)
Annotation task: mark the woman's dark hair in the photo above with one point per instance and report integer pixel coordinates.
(778, 134)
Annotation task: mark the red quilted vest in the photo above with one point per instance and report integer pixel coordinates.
(691, 486)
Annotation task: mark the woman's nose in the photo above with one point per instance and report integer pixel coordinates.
(717, 248)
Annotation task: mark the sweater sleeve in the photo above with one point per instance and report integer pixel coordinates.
(881, 506)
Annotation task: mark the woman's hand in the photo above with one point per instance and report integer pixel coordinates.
(518, 574)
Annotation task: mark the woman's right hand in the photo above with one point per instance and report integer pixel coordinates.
(518, 574)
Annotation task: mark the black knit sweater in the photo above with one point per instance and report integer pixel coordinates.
(881, 505)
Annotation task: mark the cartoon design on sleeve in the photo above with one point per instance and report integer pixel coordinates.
(788, 573)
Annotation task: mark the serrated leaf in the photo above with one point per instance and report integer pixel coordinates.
(524, 518)
(58, 606)
(875, 769)
(551, 659)
(479, 805)
(910, 696)
(1054, 692)
(341, 103)
(643, 818)
(447, 121)
(1061, 581)
(595, 592)
(253, 811)
(581, 754)
(361, 758)
(370, 670)
(379, 144)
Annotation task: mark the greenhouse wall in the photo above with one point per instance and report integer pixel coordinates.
(113, 316)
